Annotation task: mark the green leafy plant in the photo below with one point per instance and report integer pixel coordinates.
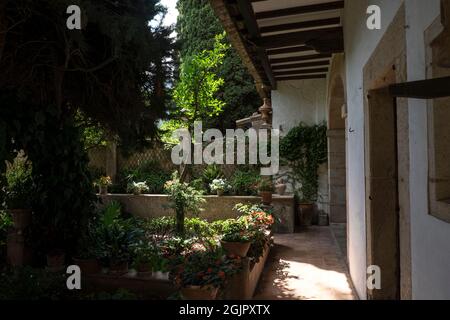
(243, 182)
(304, 149)
(236, 230)
(144, 253)
(211, 173)
(115, 235)
(183, 198)
(19, 183)
(149, 172)
(34, 284)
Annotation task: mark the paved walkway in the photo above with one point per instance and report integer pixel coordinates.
(305, 266)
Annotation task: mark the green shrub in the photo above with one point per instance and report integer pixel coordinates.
(149, 172)
(19, 183)
(244, 182)
(209, 174)
(34, 284)
(115, 235)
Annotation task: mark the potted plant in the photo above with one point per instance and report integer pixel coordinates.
(145, 254)
(202, 273)
(19, 191)
(114, 238)
(137, 188)
(280, 186)
(86, 258)
(236, 238)
(220, 186)
(183, 198)
(103, 183)
(265, 188)
(303, 150)
(160, 267)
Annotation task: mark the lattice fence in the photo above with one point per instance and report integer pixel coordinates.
(157, 154)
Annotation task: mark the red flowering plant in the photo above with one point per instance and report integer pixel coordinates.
(255, 215)
(205, 268)
(259, 222)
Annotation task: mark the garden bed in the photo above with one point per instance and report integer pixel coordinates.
(241, 286)
(216, 208)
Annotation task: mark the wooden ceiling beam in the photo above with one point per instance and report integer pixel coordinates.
(317, 39)
(301, 65)
(299, 58)
(246, 10)
(336, 5)
(301, 25)
(288, 50)
(313, 76)
(298, 72)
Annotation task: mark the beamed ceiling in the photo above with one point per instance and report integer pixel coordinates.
(281, 40)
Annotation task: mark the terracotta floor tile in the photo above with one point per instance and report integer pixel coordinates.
(305, 266)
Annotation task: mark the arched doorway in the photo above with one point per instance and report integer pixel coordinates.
(336, 152)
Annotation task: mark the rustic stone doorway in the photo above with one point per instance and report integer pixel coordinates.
(387, 165)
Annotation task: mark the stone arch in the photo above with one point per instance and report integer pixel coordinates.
(337, 174)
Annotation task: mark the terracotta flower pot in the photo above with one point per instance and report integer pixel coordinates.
(21, 218)
(266, 197)
(88, 266)
(306, 212)
(236, 248)
(56, 261)
(118, 268)
(199, 293)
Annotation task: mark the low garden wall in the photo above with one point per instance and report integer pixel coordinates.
(216, 208)
(241, 286)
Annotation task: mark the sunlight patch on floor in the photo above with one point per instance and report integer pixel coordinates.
(308, 282)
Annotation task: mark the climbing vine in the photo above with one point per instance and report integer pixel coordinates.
(303, 150)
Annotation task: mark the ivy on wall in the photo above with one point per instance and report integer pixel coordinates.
(303, 150)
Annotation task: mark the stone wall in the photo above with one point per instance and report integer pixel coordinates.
(216, 208)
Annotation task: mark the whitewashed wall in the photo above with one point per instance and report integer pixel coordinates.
(359, 46)
(430, 237)
(302, 101)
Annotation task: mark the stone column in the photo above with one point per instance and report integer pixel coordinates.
(337, 176)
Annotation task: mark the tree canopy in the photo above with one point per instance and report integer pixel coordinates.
(114, 69)
(195, 94)
(196, 28)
